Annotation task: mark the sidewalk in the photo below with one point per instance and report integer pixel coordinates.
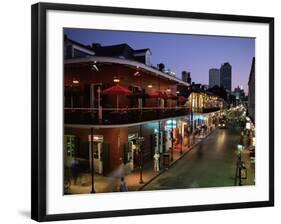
(110, 183)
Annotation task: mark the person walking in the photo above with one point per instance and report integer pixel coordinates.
(123, 186)
(75, 170)
(156, 161)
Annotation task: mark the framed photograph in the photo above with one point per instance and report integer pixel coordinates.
(140, 111)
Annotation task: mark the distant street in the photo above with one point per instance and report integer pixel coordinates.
(212, 163)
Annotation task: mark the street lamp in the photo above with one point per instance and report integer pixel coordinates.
(241, 170)
(139, 142)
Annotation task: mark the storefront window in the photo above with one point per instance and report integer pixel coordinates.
(70, 145)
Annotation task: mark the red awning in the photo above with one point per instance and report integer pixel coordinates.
(117, 90)
(182, 99)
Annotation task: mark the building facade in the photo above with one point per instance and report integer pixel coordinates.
(106, 126)
(119, 111)
(251, 92)
(239, 93)
(225, 76)
(214, 77)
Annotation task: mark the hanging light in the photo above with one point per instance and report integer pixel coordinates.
(94, 66)
(116, 80)
(75, 81)
(149, 86)
(137, 73)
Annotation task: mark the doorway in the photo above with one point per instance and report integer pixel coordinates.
(70, 149)
(97, 141)
(132, 152)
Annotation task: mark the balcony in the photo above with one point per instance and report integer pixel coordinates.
(206, 110)
(113, 116)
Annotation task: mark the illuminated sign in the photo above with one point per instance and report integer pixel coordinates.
(170, 124)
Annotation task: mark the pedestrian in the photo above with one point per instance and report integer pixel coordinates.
(156, 161)
(75, 170)
(123, 186)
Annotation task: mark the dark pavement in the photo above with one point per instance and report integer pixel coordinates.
(212, 163)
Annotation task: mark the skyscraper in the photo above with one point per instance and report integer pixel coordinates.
(239, 93)
(214, 77)
(225, 76)
(185, 76)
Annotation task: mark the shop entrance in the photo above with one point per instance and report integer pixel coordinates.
(97, 141)
(132, 151)
(70, 145)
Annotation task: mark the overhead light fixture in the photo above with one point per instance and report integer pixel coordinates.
(94, 66)
(178, 92)
(75, 81)
(116, 80)
(149, 86)
(168, 90)
(137, 73)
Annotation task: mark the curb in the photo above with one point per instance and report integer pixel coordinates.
(173, 163)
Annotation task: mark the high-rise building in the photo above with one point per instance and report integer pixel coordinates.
(239, 93)
(251, 92)
(214, 77)
(185, 76)
(225, 76)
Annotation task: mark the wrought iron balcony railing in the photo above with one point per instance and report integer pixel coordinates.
(206, 110)
(120, 116)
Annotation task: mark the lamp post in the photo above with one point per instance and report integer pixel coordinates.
(240, 168)
(140, 141)
(92, 160)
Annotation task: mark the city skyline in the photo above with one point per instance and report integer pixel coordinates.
(194, 53)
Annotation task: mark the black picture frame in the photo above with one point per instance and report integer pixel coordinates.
(39, 122)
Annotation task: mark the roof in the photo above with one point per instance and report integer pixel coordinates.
(114, 50)
(142, 50)
(77, 43)
(119, 50)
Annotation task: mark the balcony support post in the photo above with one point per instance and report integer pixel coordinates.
(92, 161)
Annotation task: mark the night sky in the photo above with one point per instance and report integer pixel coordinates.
(194, 53)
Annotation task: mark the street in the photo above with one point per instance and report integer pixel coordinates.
(212, 163)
